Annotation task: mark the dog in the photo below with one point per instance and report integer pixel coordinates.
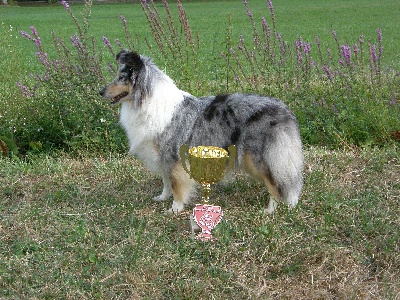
(158, 118)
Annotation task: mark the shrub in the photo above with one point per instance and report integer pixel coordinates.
(65, 110)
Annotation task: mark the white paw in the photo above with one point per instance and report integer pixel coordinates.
(175, 209)
(171, 212)
(271, 206)
(160, 198)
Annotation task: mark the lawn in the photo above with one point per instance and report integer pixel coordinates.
(77, 220)
(295, 18)
(87, 229)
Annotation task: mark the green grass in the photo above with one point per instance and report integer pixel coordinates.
(295, 18)
(87, 229)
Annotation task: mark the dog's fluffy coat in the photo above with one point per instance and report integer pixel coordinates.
(159, 118)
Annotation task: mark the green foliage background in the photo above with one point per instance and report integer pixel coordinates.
(66, 112)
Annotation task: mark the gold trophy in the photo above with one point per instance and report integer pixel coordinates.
(208, 165)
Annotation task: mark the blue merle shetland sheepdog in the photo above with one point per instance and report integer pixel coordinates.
(158, 118)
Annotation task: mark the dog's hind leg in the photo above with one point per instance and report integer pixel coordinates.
(287, 191)
(284, 160)
(255, 171)
(182, 188)
(167, 189)
(275, 196)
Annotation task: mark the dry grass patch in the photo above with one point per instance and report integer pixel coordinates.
(87, 228)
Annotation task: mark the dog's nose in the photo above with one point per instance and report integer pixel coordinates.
(102, 91)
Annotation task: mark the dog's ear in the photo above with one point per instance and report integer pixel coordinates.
(121, 53)
(131, 59)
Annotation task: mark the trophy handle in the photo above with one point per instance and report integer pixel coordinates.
(183, 154)
(232, 157)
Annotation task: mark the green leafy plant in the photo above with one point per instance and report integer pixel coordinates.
(8, 146)
(66, 112)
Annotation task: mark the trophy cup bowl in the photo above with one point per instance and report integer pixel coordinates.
(208, 165)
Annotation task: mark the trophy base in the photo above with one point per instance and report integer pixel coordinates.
(205, 217)
(194, 228)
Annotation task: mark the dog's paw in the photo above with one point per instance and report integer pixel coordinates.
(175, 209)
(271, 207)
(171, 212)
(160, 198)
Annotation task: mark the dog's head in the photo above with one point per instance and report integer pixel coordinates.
(126, 85)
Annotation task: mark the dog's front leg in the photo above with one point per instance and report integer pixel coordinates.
(182, 188)
(167, 189)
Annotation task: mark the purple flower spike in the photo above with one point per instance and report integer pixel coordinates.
(65, 4)
(25, 91)
(37, 42)
(106, 42)
(355, 48)
(327, 72)
(379, 31)
(299, 43)
(346, 53)
(75, 40)
(264, 23)
(123, 20)
(373, 53)
(361, 39)
(307, 48)
(24, 34)
(34, 31)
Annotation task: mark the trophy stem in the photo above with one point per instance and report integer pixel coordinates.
(205, 192)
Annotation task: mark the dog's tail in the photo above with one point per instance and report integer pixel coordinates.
(285, 161)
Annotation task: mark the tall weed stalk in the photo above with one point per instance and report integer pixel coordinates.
(176, 42)
(172, 41)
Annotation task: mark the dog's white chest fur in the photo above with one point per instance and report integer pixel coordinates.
(143, 124)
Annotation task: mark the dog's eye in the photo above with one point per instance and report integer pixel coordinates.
(123, 77)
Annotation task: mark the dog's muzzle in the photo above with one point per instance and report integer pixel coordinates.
(115, 99)
(118, 97)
